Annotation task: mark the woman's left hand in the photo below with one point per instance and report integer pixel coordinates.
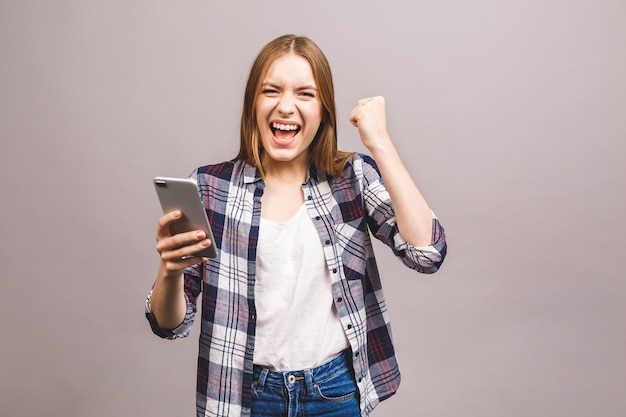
(369, 118)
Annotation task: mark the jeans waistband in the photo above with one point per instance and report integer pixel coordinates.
(305, 376)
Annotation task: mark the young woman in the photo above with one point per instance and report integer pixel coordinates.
(293, 317)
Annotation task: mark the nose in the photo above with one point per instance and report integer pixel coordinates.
(286, 104)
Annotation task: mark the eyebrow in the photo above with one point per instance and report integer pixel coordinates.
(304, 87)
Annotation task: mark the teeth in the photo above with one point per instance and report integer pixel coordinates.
(281, 126)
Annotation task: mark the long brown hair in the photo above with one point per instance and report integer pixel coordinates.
(323, 150)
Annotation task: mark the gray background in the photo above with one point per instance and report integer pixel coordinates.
(511, 115)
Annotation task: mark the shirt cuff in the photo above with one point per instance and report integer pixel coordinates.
(181, 331)
(426, 259)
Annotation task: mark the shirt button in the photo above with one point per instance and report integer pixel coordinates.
(334, 270)
(317, 217)
(339, 299)
(309, 198)
(349, 326)
(328, 242)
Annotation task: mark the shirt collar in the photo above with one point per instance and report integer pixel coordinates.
(251, 174)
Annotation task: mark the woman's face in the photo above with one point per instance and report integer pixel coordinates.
(288, 111)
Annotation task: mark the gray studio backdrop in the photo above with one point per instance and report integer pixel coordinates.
(511, 115)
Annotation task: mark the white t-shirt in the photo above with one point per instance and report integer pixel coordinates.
(297, 324)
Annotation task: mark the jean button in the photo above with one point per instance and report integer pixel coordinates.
(291, 379)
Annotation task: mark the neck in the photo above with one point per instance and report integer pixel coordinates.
(289, 171)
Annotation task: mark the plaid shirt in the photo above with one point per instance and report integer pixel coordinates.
(342, 209)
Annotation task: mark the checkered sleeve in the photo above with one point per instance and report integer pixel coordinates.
(382, 223)
(192, 291)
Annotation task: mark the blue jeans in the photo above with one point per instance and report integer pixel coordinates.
(326, 391)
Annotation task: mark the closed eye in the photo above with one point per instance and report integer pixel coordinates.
(307, 94)
(269, 91)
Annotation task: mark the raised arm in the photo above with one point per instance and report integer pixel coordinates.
(413, 215)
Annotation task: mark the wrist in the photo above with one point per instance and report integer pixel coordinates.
(381, 148)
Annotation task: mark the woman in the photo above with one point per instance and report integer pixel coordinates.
(293, 316)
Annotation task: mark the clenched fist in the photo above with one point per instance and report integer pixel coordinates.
(369, 118)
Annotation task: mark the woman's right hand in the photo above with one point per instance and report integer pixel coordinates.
(178, 251)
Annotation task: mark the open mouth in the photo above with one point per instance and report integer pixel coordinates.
(284, 131)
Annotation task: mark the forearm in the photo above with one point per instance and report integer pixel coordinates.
(413, 215)
(168, 302)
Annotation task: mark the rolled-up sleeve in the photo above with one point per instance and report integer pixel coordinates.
(192, 290)
(425, 259)
(383, 224)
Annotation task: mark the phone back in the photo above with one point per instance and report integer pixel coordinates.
(182, 194)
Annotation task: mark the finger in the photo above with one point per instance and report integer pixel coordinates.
(164, 222)
(180, 240)
(181, 264)
(354, 116)
(357, 112)
(177, 260)
(371, 101)
(180, 254)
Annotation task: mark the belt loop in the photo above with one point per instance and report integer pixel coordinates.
(308, 379)
(261, 382)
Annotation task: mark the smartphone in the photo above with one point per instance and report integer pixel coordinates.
(182, 194)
